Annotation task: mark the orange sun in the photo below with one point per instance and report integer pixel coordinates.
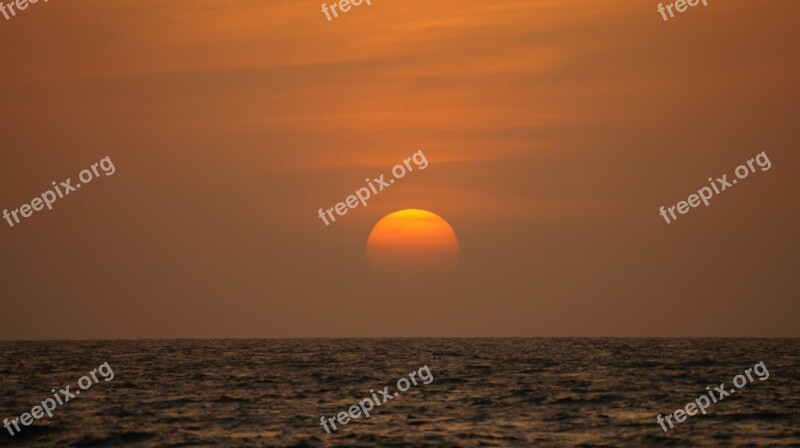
(412, 241)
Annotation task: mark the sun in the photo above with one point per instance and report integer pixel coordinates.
(412, 241)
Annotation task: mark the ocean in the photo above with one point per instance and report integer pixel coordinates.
(572, 392)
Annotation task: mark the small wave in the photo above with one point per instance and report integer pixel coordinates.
(124, 438)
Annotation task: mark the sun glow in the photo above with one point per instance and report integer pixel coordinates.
(412, 240)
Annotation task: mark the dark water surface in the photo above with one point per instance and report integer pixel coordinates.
(485, 392)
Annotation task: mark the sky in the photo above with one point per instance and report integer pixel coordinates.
(554, 132)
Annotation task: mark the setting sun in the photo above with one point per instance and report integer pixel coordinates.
(412, 240)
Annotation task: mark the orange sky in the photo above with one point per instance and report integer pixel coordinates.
(554, 132)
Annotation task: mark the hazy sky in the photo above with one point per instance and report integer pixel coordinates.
(554, 131)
